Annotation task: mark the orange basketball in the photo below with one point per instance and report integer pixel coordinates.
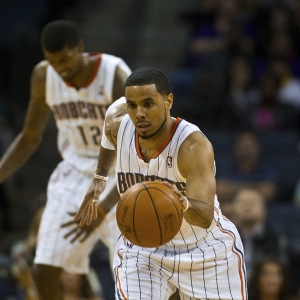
(149, 214)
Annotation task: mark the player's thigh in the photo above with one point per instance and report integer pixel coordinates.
(215, 269)
(65, 192)
(138, 277)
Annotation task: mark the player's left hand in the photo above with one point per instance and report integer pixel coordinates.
(80, 232)
(182, 198)
(88, 208)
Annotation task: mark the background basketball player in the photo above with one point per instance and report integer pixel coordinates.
(77, 87)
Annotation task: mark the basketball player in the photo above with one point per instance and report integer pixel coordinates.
(77, 87)
(205, 259)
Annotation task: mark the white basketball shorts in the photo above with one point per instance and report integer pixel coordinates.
(66, 189)
(211, 269)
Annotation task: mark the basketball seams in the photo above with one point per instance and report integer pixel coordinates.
(169, 198)
(133, 209)
(157, 217)
(162, 220)
(172, 201)
(133, 213)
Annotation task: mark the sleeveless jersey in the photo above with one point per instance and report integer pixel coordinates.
(131, 169)
(79, 114)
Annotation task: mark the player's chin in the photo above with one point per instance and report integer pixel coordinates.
(145, 134)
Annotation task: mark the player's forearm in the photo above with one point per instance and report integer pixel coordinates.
(109, 202)
(106, 160)
(199, 213)
(16, 155)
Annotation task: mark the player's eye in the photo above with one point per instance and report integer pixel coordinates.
(131, 105)
(148, 104)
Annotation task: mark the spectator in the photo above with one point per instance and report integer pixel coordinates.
(276, 20)
(271, 114)
(221, 31)
(241, 95)
(247, 170)
(289, 85)
(270, 281)
(228, 32)
(249, 213)
(278, 39)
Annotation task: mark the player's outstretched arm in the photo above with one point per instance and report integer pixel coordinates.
(37, 115)
(88, 209)
(196, 163)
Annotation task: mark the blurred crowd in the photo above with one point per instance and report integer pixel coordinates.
(242, 65)
(241, 75)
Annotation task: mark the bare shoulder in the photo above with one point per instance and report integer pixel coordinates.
(38, 111)
(38, 79)
(38, 85)
(120, 74)
(113, 120)
(196, 141)
(40, 69)
(197, 149)
(119, 81)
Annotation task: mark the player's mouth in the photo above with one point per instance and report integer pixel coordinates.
(142, 126)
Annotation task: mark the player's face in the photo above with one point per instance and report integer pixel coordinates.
(66, 62)
(148, 109)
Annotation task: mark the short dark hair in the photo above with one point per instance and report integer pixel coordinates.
(150, 75)
(286, 289)
(58, 34)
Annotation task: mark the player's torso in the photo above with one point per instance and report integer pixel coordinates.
(131, 168)
(79, 114)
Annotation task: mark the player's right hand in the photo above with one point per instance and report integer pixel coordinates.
(88, 208)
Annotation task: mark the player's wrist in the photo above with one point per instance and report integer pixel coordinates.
(187, 204)
(101, 177)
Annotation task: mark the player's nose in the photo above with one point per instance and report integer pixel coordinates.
(140, 113)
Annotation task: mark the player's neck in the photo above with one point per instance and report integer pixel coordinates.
(149, 147)
(84, 73)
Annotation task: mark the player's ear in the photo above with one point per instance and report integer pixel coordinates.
(169, 101)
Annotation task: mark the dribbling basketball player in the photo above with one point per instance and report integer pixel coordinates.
(205, 259)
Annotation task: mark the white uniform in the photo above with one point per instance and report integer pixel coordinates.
(79, 116)
(201, 263)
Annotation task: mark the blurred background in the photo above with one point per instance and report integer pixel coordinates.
(234, 68)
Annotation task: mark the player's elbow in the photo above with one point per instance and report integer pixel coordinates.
(207, 220)
(206, 224)
(202, 220)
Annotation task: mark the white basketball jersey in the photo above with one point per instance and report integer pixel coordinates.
(80, 114)
(131, 169)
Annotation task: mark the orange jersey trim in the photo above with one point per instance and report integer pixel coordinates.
(240, 268)
(156, 154)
